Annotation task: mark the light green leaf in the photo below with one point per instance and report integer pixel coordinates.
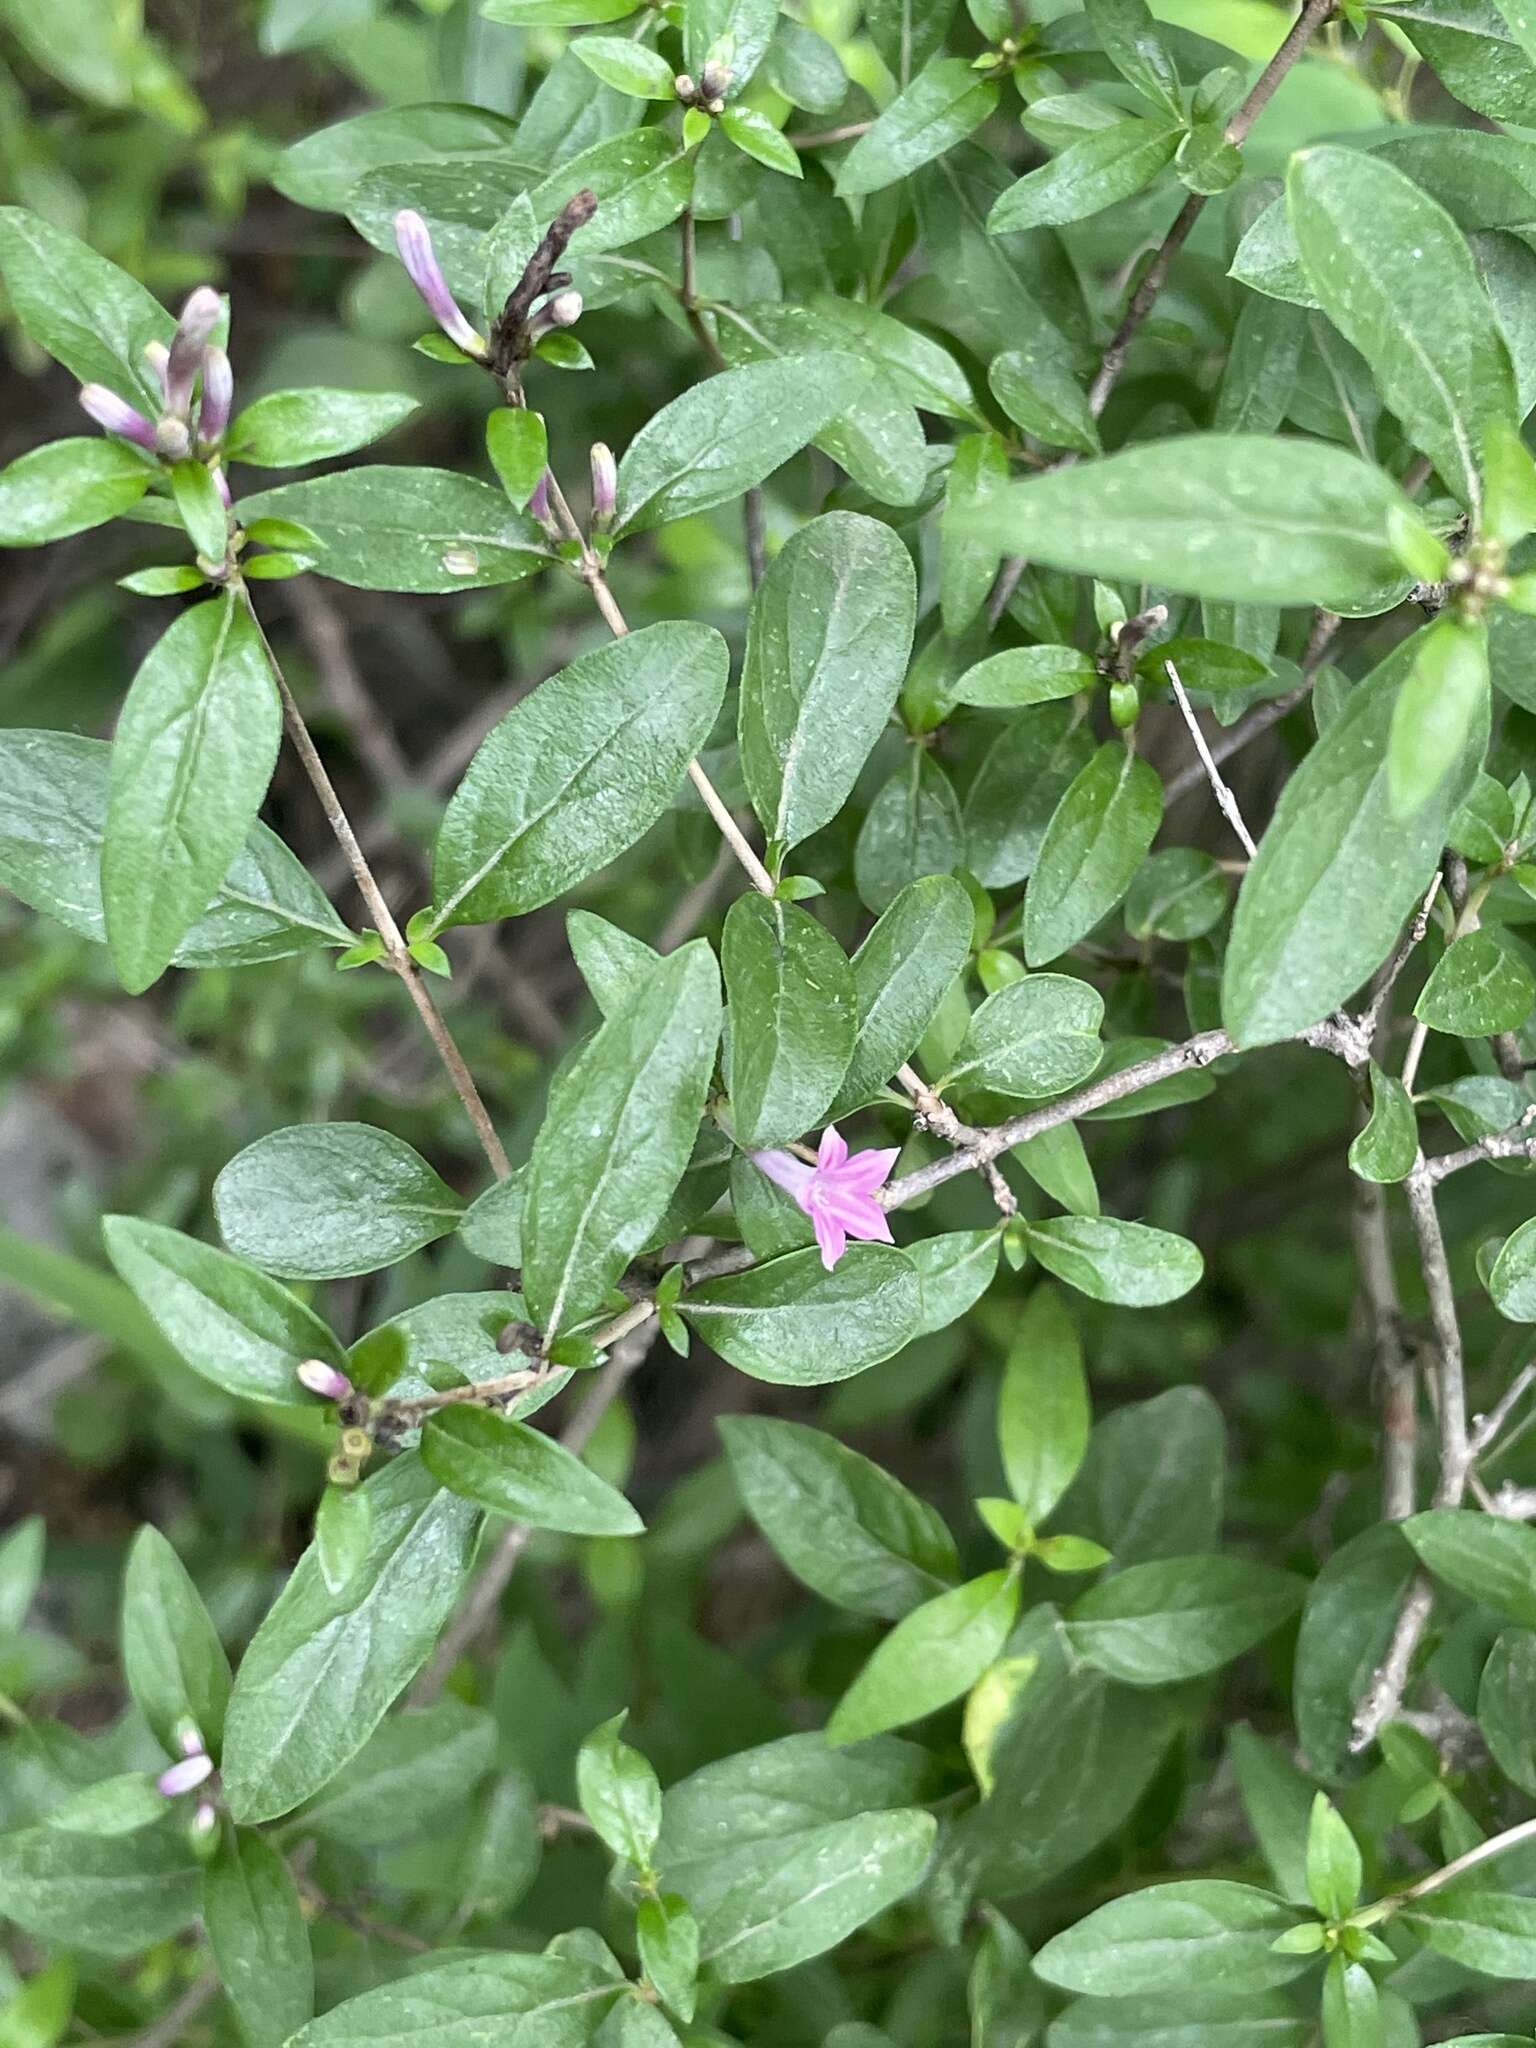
(1487, 1557)
(324, 1668)
(1178, 1618)
(729, 433)
(551, 2001)
(942, 105)
(1025, 675)
(843, 1525)
(1038, 389)
(385, 528)
(738, 30)
(239, 1329)
(1135, 47)
(795, 1323)
(627, 66)
(1128, 1263)
(1171, 1936)
(1106, 166)
(1238, 516)
(577, 772)
(1042, 1406)
(1394, 274)
(196, 742)
(94, 318)
(1444, 698)
(521, 1473)
(260, 1942)
(113, 1895)
(321, 1201)
(937, 1653)
(622, 1118)
(1512, 1278)
(755, 136)
(792, 1011)
(1493, 1932)
(287, 428)
(1098, 836)
(172, 1657)
(66, 487)
(1037, 1037)
(828, 639)
(1335, 1872)
(619, 1793)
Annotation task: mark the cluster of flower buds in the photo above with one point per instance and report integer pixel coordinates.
(194, 1773)
(356, 1443)
(413, 239)
(708, 91)
(190, 367)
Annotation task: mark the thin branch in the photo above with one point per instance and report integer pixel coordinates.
(1224, 797)
(1485, 1429)
(1408, 945)
(1260, 719)
(1518, 1142)
(170, 2030)
(396, 953)
(1437, 1880)
(1392, 1364)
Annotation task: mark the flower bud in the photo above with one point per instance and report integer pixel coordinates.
(413, 239)
(323, 1379)
(186, 1776)
(158, 357)
(116, 415)
(218, 395)
(605, 484)
(173, 438)
(199, 317)
(713, 80)
(685, 88)
(205, 1819)
(539, 506)
(563, 310)
(189, 1738)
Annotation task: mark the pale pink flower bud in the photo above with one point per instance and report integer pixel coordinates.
(539, 506)
(837, 1193)
(221, 485)
(158, 357)
(186, 1776)
(563, 310)
(218, 395)
(199, 316)
(323, 1379)
(117, 415)
(413, 238)
(605, 483)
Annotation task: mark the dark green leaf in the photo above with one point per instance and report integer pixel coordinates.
(941, 106)
(792, 1009)
(1097, 838)
(1128, 1263)
(1173, 1936)
(172, 1657)
(793, 1322)
(1042, 1406)
(93, 317)
(1037, 1037)
(901, 974)
(1108, 165)
(259, 1939)
(521, 1473)
(384, 528)
(1480, 985)
(1487, 1557)
(1177, 1618)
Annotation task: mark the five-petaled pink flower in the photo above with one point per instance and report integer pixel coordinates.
(837, 1193)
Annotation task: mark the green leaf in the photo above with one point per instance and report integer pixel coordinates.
(577, 772)
(92, 317)
(1106, 166)
(1394, 274)
(1178, 1618)
(1480, 985)
(667, 1936)
(239, 1329)
(933, 1656)
(729, 433)
(553, 1999)
(384, 528)
(518, 446)
(1389, 1144)
(792, 1010)
(843, 1525)
(1192, 2018)
(1238, 516)
(737, 31)
(1134, 45)
(1097, 838)
(1178, 894)
(1128, 1263)
(322, 1201)
(1171, 1937)
(521, 1473)
(201, 509)
(942, 105)
(828, 639)
(1512, 1279)
(1352, 2014)
(343, 1522)
(1025, 675)
(619, 1793)
(956, 1269)
(1487, 1557)
(824, 1884)
(287, 428)
(793, 1322)
(324, 1668)
(912, 829)
(113, 1895)
(755, 135)
(414, 1767)
(1037, 1037)
(1039, 390)
(259, 1938)
(902, 972)
(1443, 699)
(66, 487)
(629, 67)
(1337, 872)
(1042, 1405)
(622, 1118)
(38, 2015)
(1022, 778)
(196, 742)
(1346, 1626)
(1494, 1932)
(321, 170)
(1506, 1706)
(172, 1657)
(53, 808)
(613, 963)
(1335, 1872)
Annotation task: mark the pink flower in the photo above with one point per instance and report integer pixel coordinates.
(837, 1193)
(413, 238)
